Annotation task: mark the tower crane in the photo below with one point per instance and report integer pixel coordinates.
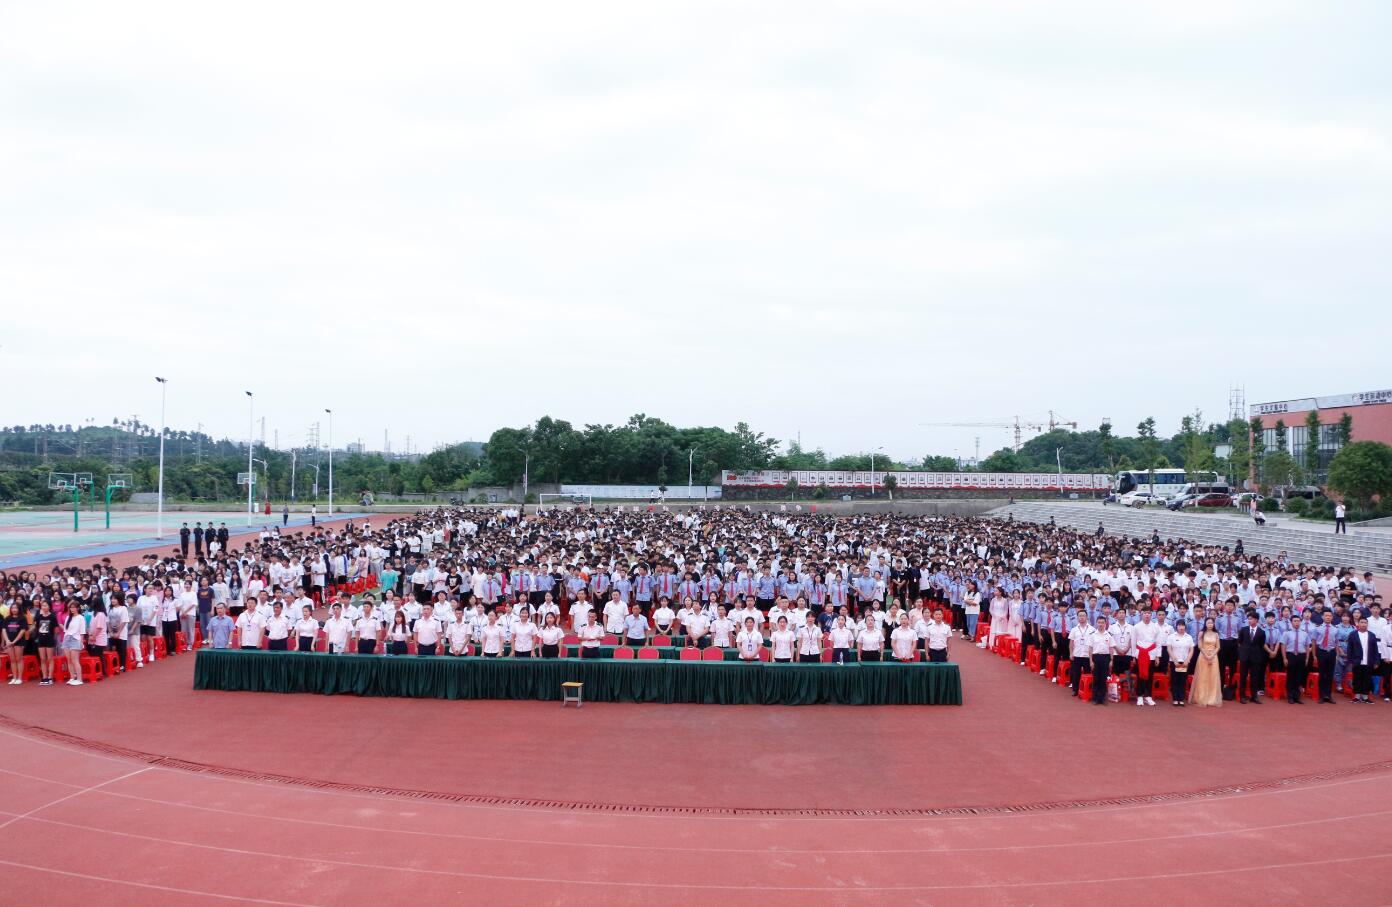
(1016, 425)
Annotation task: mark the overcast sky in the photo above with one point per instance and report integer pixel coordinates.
(836, 219)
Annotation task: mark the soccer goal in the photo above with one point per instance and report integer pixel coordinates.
(565, 500)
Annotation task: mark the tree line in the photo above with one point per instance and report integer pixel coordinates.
(642, 451)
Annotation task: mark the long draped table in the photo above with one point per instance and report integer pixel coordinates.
(605, 679)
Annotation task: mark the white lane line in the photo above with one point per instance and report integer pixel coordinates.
(77, 793)
(148, 885)
(552, 880)
(1184, 801)
(762, 852)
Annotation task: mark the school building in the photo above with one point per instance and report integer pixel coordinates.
(1371, 412)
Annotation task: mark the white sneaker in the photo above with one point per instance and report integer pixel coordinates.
(1149, 701)
(1041, 673)
(74, 682)
(1140, 702)
(1053, 680)
(140, 664)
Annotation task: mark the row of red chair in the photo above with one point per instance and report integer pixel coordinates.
(94, 669)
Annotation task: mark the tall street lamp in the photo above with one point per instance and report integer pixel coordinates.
(872, 469)
(330, 412)
(526, 472)
(159, 501)
(251, 445)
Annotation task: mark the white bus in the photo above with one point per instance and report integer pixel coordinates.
(1167, 483)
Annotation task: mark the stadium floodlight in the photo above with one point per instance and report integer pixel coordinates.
(159, 497)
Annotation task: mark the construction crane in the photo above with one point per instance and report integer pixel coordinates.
(1056, 422)
(1017, 425)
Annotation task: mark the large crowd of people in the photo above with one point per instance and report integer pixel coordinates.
(785, 586)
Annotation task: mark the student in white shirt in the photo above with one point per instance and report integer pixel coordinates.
(492, 637)
(460, 631)
(249, 629)
(591, 636)
(722, 629)
(936, 636)
(782, 641)
(524, 636)
(367, 629)
(427, 631)
(809, 641)
(550, 636)
(749, 641)
(903, 641)
(306, 630)
(337, 629)
(869, 641)
(841, 638)
(278, 630)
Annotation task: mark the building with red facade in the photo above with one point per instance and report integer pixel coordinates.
(1370, 411)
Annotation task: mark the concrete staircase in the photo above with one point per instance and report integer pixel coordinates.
(1362, 549)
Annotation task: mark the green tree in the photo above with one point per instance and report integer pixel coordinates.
(1280, 470)
(1312, 438)
(1106, 446)
(792, 487)
(932, 463)
(1362, 471)
(1282, 442)
(1003, 460)
(891, 482)
(1150, 447)
(1346, 429)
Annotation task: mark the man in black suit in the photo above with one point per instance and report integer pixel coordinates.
(197, 539)
(1364, 656)
(184, 539)
(222, 538)
(1251, 660)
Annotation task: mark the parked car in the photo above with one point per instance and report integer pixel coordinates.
(1179, 502)
(1245, 500)
(1214, 499)
(1136, 499)
(1308, 492)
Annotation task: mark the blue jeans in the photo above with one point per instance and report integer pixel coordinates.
(971, 625)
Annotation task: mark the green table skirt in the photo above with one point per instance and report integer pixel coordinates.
(605, 680)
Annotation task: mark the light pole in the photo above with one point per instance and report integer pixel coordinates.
(1058, 460)
(292, 475)
(872, 470)
(315, 467)
(159, 500)
(330, 412)
(526, 472)
(690, 486)
(251, 444)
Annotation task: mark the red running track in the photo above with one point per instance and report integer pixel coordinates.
(139, 790)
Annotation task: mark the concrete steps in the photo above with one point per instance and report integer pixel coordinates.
(1367, 549)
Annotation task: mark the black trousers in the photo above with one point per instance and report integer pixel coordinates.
(1027, 638)
(1251, 678)
(936, 655)
(1297, 669)
(169, 628)
(1227, 659)
(1075, 673)
(1341, 525)
(121, 651)
(1179, 685)
(1325, 659)
(1362, 680)
(1101, 667)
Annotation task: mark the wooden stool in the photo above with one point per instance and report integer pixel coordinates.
(572, 691)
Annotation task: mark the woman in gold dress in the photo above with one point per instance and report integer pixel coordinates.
(1208, 679)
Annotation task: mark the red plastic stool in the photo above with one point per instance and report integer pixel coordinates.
(1276, 685)
(160, 648)
(1049, 666)
(91, 668)
(1312, 685)
(1085, 686)
(1159, 685)
(1063, 672)
(112, 662)
(1123, 688)
(31, 667)
(181, 641)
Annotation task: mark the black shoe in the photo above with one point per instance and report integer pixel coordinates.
(1256, 702)
(1242, 702)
